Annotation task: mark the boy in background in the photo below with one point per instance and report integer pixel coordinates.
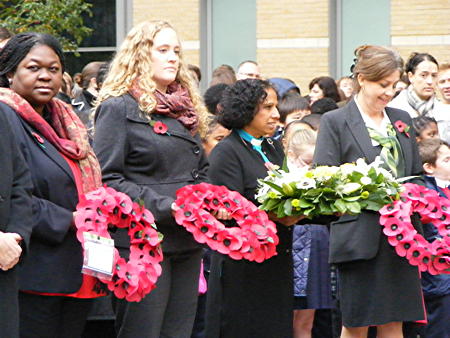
(435, 155)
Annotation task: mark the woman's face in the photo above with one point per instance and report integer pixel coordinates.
(346, 85)
(38, 76)
(215, 136)
(266, 119)
(316, 93)
(377, 94)
(165, 58)
(424, 79)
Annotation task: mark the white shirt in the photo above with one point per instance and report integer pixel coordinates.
(441, 113)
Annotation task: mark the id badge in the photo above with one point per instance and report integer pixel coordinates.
(98, 256)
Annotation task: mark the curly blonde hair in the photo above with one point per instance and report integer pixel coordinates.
(133, 61)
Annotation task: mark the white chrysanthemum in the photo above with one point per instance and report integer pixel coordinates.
(365, 180)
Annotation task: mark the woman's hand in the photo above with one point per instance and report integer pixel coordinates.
(287, 220)
(222, 214)
(10, 250)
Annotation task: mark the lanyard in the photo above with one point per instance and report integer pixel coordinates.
(255, 142)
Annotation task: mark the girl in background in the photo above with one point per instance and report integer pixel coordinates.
(312, 285)
(425, 127)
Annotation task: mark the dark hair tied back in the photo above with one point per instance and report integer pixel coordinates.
(18, 47)
(416, 58)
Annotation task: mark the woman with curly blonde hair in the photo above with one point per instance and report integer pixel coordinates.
(147, 125)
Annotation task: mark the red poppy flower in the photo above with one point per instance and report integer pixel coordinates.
(392, 225)
(402, 127)
(38, 138)
(160, 128)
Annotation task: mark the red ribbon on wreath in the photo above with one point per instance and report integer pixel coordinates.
(106, 208)
(254, 238)
(433, 257)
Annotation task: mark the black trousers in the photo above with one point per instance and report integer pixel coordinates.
(167, 311)
(9, 305)
(52, 316)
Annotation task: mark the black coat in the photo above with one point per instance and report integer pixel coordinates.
(343, 137)
(15, 217)
(148, 166)
(249, 299)
(55, 257)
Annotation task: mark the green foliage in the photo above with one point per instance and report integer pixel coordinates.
(60, 18)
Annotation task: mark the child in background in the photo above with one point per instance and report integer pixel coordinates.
(292, 107)
(214, 134)
(435, 155)
(426, 127)
(312, 285)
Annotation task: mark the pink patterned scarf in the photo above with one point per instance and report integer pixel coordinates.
(66, 132)
(176, 103)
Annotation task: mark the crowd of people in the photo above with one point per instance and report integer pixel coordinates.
(333, 276)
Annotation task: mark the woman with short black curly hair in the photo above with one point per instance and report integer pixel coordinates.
(249, 299)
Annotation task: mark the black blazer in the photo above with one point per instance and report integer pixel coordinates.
(148, 166)
(55, 257)
(15, 186)
(343, 137)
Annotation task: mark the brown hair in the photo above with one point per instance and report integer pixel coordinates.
(89, 72)
(223, 74)
(444, 66)
(375, 63)
(429, 149)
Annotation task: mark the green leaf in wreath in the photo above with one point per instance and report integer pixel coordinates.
(341, 205)
(351, 198)
(274, 186)
(354, 207)
(288, 207)
(304, 203)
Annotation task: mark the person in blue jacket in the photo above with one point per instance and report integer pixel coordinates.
(435, 155)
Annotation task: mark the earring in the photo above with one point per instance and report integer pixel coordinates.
(10, 81)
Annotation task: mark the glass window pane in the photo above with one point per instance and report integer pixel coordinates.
(103, 23)
(75, 64)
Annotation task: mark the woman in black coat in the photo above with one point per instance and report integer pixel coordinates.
(148, 143)
(15, 226)
(249, 299)
(55, 296)
(376, 286)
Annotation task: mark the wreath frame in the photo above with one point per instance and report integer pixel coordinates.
(254, 237)
(106, 209)
(395, 218)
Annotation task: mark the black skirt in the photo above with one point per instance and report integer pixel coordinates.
(380, 290)
(248, 299)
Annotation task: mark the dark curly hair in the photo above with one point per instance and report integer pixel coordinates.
(240, 102)
(18, 48)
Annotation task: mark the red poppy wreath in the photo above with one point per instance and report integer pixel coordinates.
(106, 208)
(433, 257)
(253, 238)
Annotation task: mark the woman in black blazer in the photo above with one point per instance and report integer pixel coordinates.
(15, 226)
(249, 299)
(148, 144)
(377, 287)
(54, 295)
